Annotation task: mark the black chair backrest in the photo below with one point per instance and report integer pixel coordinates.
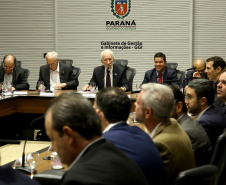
(203, 175)
(121, 62)
(172, 65)
(219, 152)
(76, 71)
(180, 75)
(130, 73)
(67, 61)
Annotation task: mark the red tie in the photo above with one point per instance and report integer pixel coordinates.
(108, 79)
(160, 78)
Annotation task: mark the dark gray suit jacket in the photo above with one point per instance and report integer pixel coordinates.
(66, 76)
(169, 74)
(119, 77)
(19, 80)
(103, 163)
(199, 139)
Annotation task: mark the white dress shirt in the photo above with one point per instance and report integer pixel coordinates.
(54, 78)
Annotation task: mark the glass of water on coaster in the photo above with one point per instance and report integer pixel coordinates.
(32, 159)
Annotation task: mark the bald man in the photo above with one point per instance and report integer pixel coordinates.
(198, 72)
(9, 73)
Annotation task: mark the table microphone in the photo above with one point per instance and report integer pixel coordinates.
(7, 141)
(23, 168)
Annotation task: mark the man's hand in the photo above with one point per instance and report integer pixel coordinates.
(86, 88)
(123, 88)
(60, 86)
(196, 74)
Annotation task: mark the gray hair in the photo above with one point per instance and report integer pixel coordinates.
(160, 99)
(107, 51)
(54, 54)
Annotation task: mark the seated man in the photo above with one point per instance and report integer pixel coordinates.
(113, 107)
(75, 132)
(57, 75)
(199, 139)
(161, 73)
(15, 75)
(221, 90)
(109, 74)
(198, 72)
(153, 108)
(199, 100)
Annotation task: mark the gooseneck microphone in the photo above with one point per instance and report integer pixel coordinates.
(190, 68)
(23, 168)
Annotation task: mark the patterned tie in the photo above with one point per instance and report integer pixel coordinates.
(108, 79)
(160, 78)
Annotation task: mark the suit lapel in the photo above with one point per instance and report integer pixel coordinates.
(154, 76)
(61, 69)
(47, 72)
(165, 74)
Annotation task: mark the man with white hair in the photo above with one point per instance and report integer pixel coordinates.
(57, 75)
(108, 74)
(153, 107)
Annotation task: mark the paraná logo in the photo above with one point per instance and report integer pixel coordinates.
(120, 8)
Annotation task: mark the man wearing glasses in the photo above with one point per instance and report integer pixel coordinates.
(56, 75)
(10, 74)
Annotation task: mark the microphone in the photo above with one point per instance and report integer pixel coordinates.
(23, 168)
(190, 68)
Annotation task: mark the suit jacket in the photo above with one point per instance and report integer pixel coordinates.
(175, 148)
(66, 76)
(199, 139)
(223, 108)
(214, 122)
(13, 177)
(19, 80)
(169, 74)
(103, 163)
(119, 77)
(138, 145)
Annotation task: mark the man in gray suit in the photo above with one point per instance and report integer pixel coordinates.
(199, 139)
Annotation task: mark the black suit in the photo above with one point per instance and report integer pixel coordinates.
(66, 76)
(103, 163)
(119, 77)
(19, 80)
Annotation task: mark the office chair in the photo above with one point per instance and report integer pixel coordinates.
(172, 65)
(27, 72)
(76, 71)
(180, 77)
(219, 158)
(130, 73)
(67, 61)
(203, 175)
(121, 62)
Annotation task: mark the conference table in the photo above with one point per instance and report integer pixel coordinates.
(33, 102)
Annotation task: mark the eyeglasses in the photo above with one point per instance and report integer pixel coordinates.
(106, 59)
(5, 67)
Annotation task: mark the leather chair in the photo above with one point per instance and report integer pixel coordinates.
(172, 65)
(76, 71)
(67, 61)
(219, 158)
(130, 72)
(203, 175)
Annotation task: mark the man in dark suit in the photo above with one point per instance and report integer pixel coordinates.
(14, 75)
(153, 107)
(221, 90)
(57, 75)
(199, 139)
(161, 73)
(113, 107)
(109, 74)
(198, 72)
(199, 99)
(75, 131)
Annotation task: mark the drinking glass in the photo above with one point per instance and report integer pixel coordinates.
(8, 88)
(32, 158)
(41, 86)
(92, 87)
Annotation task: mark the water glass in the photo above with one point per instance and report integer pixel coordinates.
(32, 158)
(92, 87)
(41, 86)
